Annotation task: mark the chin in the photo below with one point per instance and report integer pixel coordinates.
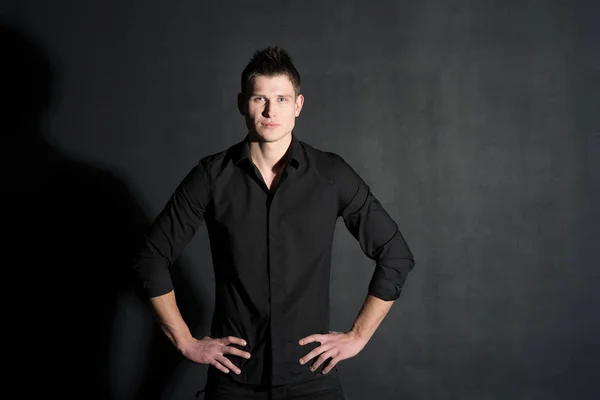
(271, 135)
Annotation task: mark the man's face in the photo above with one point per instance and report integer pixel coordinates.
(271, 108)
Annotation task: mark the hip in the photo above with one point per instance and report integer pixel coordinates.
(224, 387)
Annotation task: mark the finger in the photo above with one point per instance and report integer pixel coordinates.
(332, 363)
(219, 366)
(322, 358)
(311, 339)
(236, 352)
(228, 364)
(233, 340)
(313, 354)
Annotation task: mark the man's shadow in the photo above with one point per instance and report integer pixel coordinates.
(71, 231)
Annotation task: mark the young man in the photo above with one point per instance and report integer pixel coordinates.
(270, 204)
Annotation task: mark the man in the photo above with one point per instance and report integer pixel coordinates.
(270, 204)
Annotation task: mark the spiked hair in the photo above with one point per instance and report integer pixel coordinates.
(270, 61)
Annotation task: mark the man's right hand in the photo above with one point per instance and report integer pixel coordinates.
(212, 351)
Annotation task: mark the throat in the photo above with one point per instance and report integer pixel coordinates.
(272, 181)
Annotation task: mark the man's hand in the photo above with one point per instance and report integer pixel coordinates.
(212, 351)
(336, 345)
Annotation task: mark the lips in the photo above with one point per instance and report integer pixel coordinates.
(270, 125)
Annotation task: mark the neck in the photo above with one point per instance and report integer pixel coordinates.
(270, 156)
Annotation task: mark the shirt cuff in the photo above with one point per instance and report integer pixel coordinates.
(157, 285)
(384, 288)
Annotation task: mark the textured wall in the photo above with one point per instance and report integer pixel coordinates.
(475, 123)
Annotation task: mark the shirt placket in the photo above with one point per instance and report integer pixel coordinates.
(276, 281)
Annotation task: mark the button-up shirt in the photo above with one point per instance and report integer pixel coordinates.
(271, 250)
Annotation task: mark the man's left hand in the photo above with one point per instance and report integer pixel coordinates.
(337, 346)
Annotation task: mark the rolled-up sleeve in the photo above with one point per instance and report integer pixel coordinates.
(375, 230)
(171, 230)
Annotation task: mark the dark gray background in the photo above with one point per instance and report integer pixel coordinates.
(475, 123)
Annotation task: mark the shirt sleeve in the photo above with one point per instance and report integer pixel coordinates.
(171, 230)
(374, 229)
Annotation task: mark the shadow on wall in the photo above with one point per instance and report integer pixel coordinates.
(70, 232)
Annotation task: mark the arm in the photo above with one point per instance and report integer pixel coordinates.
(370, 316)
(381, 241)
(170, 320)
(377, 233)
(172, 229)
(204, 351)
(170, 232)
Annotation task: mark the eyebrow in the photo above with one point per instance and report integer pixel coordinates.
(277, 95)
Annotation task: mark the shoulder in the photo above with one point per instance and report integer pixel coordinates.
(213, 164)
(215, 159)
(324, 160)
(338, 173)
(207, 167)
(330, 164)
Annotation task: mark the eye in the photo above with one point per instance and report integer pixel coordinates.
(282, 99)
(257, 99)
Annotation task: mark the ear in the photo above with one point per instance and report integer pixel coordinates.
(299, 104)
(242, 104)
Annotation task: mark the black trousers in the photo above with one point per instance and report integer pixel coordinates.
(325, 387)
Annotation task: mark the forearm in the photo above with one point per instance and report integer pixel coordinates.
(170, 320)
(370, 317)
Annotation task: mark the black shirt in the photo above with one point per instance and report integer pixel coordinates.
(271, 250)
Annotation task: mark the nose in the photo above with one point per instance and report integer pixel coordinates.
(268, 111)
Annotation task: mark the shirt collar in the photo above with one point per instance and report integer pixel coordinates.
(295, 152)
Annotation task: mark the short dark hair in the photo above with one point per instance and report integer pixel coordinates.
(270, 61)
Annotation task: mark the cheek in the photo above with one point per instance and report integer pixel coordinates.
(292, 113)
(254, 111)
(256, 116)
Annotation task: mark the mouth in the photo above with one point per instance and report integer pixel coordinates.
(270, 125)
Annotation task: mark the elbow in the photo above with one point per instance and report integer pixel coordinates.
(389, 278)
